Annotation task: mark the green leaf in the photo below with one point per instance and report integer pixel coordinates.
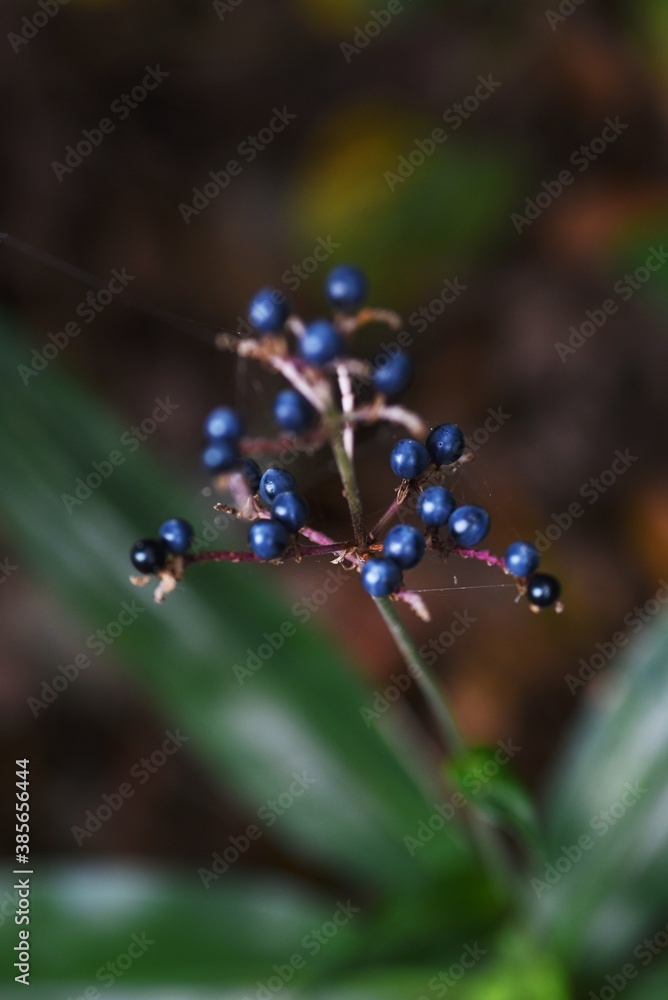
(511, 968)
(607, 885)
(484, 776)
(84, 916)
(300, 712)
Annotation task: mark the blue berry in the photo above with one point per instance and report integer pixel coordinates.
(409, 458)
(268, 539)
(468, 524)
(405, 545)
(223, 422)
(246, 476)
(346, 286)
(395, 376)
(292, 412)
(543, 590)
(435, 505)
(177, 535)
(381, 577)
(220, 455)
(522, 558)
(290, 510)
(445, 444)
(148, 555)
(275, 481)
(268, 310)
(321, 343)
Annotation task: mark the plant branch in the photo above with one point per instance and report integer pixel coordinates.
(331, 548)
(489, 845)
(346, 472)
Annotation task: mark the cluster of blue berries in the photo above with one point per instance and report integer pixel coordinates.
(150, 555)
(269, 538)
(522, 559)
(346, 289)
(271, 534)
(467, 524)
(223, 430)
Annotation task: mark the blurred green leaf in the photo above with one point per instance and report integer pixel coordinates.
(299, 713)
(603, 895)
(485, 778)
(84, 916)
(509, 968)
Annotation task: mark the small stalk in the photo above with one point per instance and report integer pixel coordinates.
(419, 671)
(348, 478)
(488, 844)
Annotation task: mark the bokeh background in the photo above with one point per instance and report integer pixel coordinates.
(321, 182)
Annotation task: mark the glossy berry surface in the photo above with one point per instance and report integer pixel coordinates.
(268, 310)
(409, 458)
(445, 444)
(224, 422)
(381, 577)
(292, 412)
(148, 555)
(394, 376)
(405, 545)
(275, 481)
(220, 455)
(245, 477)
(321, 343)
(543, 590)
(522, 558)
(468, 524)
(435, 505)
(346, 286)
(291, 510)
(268, 539)
(177, 534)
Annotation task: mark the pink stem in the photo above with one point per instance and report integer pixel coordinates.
(332, 548)
(482, 554)
(387, 516)
(254, 446)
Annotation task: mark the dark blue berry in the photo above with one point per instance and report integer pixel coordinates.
(223, 422)
(290, 510)
(321, 343)
(292, 412)
(435, 505)
(395, 376)
(268, 310)
(405, 545)
(542, 590)
(346, 286)
(177, 534)
(148, 555)
(268, 539)
(409, 458)
(468, 524)
(220, 455)
(445, 444)
(381, 577)
(275, 481)
(246, 476)
(522, 558)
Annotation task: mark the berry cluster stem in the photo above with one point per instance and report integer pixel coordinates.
(489, 846)
(348, 478)
(419, 671)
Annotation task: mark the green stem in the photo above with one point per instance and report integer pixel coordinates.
(348, 481)
(419, 671)
(489, 845)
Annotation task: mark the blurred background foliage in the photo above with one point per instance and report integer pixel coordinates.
(322, 179)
